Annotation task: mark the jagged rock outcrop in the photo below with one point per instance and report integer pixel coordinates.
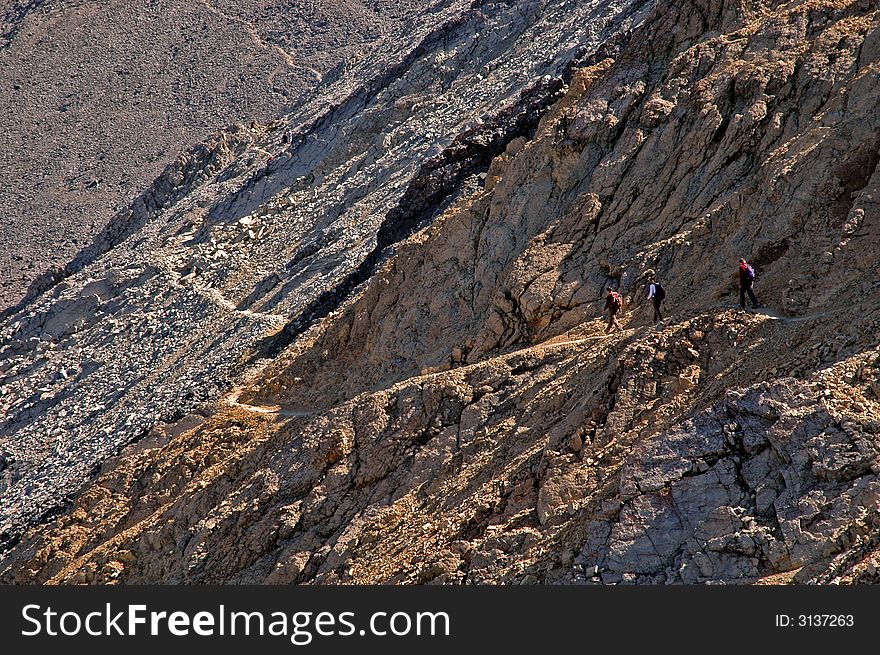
(462, 418)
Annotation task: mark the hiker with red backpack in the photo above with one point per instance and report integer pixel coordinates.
(613, 303)
(746, 280)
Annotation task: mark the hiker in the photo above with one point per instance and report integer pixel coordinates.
(746, 280)
(613, 303)
(656, 294)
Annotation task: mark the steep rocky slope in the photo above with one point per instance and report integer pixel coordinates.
(462, 418)
(264, 228)
(99, 95)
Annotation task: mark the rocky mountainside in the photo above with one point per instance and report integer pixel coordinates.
(99, 95)
(380, 355)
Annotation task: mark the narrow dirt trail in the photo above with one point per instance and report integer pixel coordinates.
(276, 410)
(220, 300)
(554, 342)
(776, 316)
(258, 40)
(286, 412)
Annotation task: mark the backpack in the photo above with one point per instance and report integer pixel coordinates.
(616, 301)
(659, 292)
(751, 272)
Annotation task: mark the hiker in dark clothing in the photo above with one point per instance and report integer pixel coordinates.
(656, 294)
(613, 303)
(746, 280)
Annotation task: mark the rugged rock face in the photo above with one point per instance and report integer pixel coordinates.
(461, 417)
